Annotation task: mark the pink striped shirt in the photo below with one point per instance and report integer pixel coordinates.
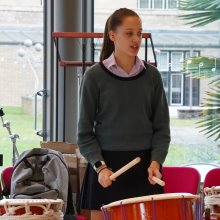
(110, 64)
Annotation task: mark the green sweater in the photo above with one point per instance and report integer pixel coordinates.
(122, 114)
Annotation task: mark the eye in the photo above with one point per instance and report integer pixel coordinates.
(129, 33)
(139, 34)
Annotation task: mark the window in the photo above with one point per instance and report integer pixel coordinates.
(158, 4)
(192, 54)
(163, 61)
(176, 89)
(179, 89)
(21, 72)
(176, 58)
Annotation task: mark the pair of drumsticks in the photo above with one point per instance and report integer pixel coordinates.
(130, 165)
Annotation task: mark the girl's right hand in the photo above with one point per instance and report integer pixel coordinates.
(104, 177)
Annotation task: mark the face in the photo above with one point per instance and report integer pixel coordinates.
(127, 37)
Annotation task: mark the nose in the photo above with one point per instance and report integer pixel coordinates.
(136, 40)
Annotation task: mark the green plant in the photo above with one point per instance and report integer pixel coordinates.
(205, 12)
(211, 122)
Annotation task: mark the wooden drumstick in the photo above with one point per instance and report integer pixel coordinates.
(158, 181)
(125, 168)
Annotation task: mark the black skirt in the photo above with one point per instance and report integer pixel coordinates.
(132, 183)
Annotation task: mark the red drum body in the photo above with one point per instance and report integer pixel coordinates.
(171, 206)
(31, 209)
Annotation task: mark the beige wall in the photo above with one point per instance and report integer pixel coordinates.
(16, 76)
(21, 4)
(21, 12)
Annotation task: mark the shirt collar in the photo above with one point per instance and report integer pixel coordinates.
(111, 62)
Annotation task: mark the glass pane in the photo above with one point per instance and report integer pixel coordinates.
(172, 4)
(163, 61)
(158, 4)
(21, 72)
(195, 91)
(144, 3)
(165, 78)
(176, 89)
(176, 58)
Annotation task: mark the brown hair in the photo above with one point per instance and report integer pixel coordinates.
(111, 24)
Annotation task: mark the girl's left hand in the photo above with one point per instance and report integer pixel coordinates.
(154, 170)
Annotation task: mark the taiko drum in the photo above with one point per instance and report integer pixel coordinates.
(171, 206)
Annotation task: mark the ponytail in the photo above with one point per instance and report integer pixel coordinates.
(108, 45)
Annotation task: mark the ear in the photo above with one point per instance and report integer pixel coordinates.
(112, 36)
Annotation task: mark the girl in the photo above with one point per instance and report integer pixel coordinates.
(123, 115)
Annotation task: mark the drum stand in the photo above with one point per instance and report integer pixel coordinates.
(13, 137)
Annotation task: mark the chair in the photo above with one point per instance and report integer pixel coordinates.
(212, 178)
(6, 181)
(203, 169)
(181, 179)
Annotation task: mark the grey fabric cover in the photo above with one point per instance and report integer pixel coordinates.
(40, 173)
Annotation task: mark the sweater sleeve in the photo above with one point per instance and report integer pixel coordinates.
(160, 120)
(88, 105)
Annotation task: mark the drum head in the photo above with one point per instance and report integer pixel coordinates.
(18, 207)
(153, 197)
(160, 207)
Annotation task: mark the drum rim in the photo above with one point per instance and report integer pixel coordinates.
(152, 197)
(213, 188)
(30, 201)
